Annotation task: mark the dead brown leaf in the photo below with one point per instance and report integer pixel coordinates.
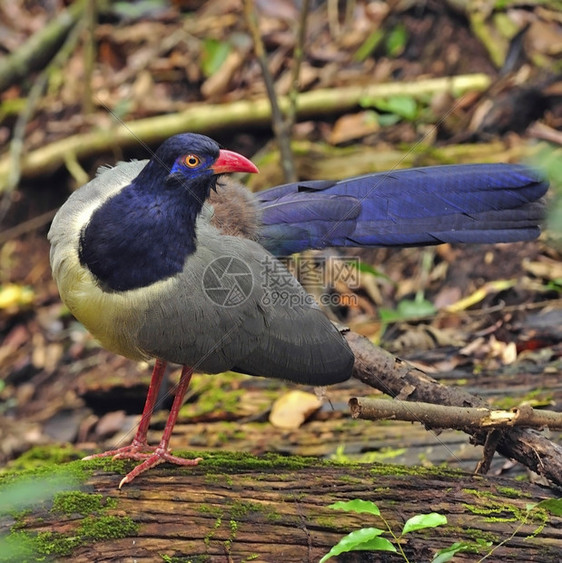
(291, 410)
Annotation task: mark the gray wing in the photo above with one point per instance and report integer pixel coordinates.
(222, 313)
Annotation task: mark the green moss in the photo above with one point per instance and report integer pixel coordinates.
(492, 514)
(78, 502)
(495, 509)
(415, 471)
(217, 478)
(221, 393)
(212, 510)
(218, 523)
(224, 462)
(17, 516)
(22, 546)
(73, 472)
(109, 465)
(190, 559)
(17, 546)
(350, 479)
(536, 398)
(239, 509)
(107, 527)
(273, 516)
(328, 522)
(482, 535)
(233, 527)
(479, 536)
(513, 493)
(225, 400)
(54, 543)
(35, 487)
(384, 454)
(232, 514)
(53, 487)
(41, 456)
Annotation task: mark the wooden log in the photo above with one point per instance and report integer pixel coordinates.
(235, 507)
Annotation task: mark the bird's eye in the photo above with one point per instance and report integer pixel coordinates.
(191, 160)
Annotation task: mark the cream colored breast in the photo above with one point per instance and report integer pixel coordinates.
(111, 317)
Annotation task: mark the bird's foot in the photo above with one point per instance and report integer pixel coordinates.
(152, 456)
(136, 450)
(159, 456)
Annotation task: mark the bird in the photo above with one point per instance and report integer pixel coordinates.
(165, 259)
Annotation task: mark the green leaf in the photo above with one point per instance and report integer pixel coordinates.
(407, 309)
(446, 554)
(368, 46)
(388, 119)
(368, 269)
(357, 505)
(551, 505)
(404, 106)
(213, 54)
(365, 539)
(396, 41)
(135, 10)
(422, 521)
(416, 308)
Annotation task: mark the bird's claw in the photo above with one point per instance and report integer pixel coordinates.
(159, 456)
(136, 450)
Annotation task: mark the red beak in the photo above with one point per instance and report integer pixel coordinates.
(229, 161)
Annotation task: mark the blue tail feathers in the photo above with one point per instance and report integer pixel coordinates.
(470, 203)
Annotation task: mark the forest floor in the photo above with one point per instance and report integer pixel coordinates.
(58, 386)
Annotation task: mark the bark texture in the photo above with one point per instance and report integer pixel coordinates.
(243, 508)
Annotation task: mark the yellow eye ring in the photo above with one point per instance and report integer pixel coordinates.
(191, 160)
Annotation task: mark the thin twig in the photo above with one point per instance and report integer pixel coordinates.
(278, 123)
(91, 17)
(27, 226)
(458, 418)
(203, 118)
(38, 49)
(17, 144)
(298, 56)
(490, 447)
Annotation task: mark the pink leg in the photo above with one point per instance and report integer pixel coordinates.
(162, 451)
(139, 442)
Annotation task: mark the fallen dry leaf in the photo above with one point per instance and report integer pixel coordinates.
(354, 126)
(546, 268)
(291, 410)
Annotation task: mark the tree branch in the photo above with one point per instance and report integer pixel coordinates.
(39, 48)
(203, 118)
(280, 127)
(458, 418)
(397, 378)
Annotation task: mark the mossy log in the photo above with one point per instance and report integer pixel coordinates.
(235, 507)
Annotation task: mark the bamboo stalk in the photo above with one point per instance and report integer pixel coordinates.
(207, 117)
